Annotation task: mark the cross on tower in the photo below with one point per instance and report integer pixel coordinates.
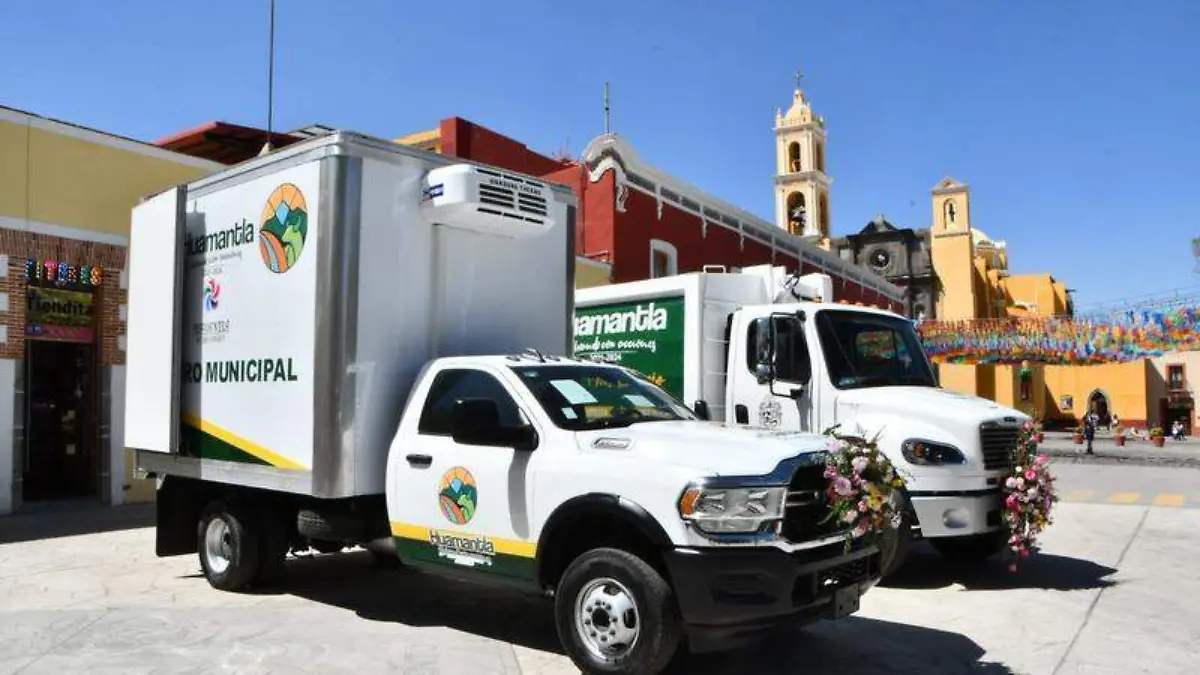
(799, 76)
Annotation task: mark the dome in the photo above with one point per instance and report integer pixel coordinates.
(800, 111)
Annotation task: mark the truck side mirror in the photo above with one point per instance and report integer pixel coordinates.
(764, 373)
(476, 421)
(803, 369)
(701, 410)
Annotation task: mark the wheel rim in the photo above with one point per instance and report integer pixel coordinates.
(218, 545)
(606, 619)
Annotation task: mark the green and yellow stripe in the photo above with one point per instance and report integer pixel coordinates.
(513, 558)
(206, 440)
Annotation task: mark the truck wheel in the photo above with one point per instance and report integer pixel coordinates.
(970, 548)
(227, 540)
(896, 542)
(274, 547)
(616, 614)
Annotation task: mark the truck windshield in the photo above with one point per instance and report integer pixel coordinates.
(580, 397)
(871, 350)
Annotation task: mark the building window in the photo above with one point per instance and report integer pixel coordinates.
(794, 157)
(663, 259)
(1175, 378)
(796, 213)
(824, 214)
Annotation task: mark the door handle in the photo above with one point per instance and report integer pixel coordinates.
(419, 461)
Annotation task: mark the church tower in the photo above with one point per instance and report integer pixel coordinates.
(953, 250)
(801, 184)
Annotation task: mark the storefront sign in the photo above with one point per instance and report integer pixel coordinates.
(56, 314)
(63, 273)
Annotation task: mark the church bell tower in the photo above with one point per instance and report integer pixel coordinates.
(801, 184)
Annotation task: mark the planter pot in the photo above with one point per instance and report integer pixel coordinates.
(1078, 439)
(1120, 440)
(1158, 441)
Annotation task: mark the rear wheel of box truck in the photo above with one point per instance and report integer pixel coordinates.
(229, 544)
(616, 614)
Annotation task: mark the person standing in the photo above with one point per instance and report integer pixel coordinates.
(1089, 430)
(1113, 422)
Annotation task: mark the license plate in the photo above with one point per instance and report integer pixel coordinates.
(845, 602)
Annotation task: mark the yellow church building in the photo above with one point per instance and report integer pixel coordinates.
(975, 287)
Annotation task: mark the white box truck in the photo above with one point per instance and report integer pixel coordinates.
(345, 343)
(765, 348)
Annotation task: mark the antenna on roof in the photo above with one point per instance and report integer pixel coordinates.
(270, 83)
(607, 112)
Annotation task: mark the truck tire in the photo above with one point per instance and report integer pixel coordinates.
(974, 547)
(273, 549)
(616, 614)
(228, 544)
(896, 542)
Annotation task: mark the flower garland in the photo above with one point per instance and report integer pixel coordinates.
(1029, 496)
(863, 486)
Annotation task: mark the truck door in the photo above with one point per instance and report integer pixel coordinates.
(465, 505)
(770, 371)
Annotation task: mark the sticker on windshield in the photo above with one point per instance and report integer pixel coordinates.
(639, 400)
(574, 392)
(569, 414)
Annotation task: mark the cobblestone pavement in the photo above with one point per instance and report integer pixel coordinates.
(1105, 596)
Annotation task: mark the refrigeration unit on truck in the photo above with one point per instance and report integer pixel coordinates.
(349, 343)
(764, 348)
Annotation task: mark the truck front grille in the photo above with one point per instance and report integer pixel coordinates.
(997, 442)
(807, 506)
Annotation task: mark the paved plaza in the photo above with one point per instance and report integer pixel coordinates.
(1109, 594)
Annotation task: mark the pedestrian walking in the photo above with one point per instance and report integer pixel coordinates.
(1089, 430)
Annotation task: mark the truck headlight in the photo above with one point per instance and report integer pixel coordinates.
(924, 453)
(731, 510)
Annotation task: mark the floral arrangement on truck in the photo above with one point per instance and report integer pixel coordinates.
(863, 488)
(1029, 497)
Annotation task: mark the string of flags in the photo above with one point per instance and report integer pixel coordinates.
(1119, 337)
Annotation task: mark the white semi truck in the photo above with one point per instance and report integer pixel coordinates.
(327, 348)
(765, 348)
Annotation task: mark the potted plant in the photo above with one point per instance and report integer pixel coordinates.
(1119, 435)
(1079, 434)
(1157, 438)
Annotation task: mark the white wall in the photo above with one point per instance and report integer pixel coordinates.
(8, 373)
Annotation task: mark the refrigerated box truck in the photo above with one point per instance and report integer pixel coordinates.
(349, 343)
(766, 348)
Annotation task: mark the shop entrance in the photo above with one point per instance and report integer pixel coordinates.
(61, 431)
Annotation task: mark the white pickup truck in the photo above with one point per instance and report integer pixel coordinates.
(764, 348)
(309, 368)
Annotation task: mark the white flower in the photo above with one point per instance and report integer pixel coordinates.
(850, 516)
(1020, 484)
(1033, 493)
(859, 464)
(1011, 482)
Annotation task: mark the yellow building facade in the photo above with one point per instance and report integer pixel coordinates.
(66, 193)
(975, 284)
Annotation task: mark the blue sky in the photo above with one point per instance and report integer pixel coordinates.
(1075, 123)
